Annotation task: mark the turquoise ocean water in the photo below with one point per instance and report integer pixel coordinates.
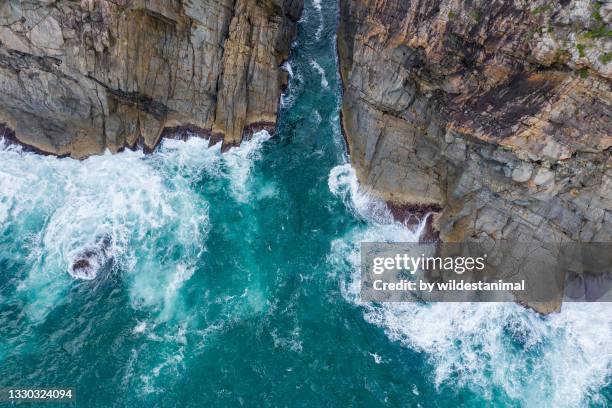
(231, 280)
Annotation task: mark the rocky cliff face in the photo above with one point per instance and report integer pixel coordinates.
(78, 77)
(496, 112)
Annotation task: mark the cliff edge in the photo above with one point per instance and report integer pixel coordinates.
(495, 113)
(498, 113)
(77, 78)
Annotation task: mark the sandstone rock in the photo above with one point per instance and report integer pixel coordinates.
(77, 78)
(522, 172)
(47, 33)
(10, 12)
(13, 41)
(543, 177)
(498, 112)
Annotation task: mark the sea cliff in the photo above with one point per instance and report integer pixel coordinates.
(496, 113)
(77, 78)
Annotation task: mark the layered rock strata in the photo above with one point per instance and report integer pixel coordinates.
(79, 77)
(497, 112)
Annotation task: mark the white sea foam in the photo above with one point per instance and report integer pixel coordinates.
(290, 94)
(187, 159)
(319, 29)
(562, 360)
(321, 72)
(140, 328)
(109, 211)
(129, 212)
(343, 182)
(239, 162)
(377, 358)
(167, 360)
(319, 9)
(296, 81)
(287, 68)
(292, 342)
(268, 190)
(287, 99)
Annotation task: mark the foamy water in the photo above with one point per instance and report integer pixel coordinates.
(319, 9)
(321, 72)
(188, 277)
(127, 212)
(561, 360)
(287, 98)
(343, 182)
(239, 161)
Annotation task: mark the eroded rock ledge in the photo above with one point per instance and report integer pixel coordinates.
(77, 78)
(497, 112)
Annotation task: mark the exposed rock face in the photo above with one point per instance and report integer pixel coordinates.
(499, 112)
(79, 77)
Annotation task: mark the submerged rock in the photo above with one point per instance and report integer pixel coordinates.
(88, 262)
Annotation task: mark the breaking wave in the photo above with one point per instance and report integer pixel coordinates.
(561, 360)
(131, 214)
(343, 183)
(239, 161)
(289, 96)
